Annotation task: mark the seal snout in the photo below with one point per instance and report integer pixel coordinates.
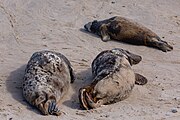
(88, 26)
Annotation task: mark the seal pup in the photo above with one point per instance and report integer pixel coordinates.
(126, 30)
(47, 78)
(113, 79)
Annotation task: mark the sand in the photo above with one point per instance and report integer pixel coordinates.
(27, 26)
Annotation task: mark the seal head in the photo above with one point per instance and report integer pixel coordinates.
(93, 27)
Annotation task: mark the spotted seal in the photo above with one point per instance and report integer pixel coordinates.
(126, 30)
(47, 78)
(113, 79)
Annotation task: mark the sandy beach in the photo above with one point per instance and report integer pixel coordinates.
(27, 26)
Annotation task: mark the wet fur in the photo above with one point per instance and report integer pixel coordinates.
(113, 81)
(46, 80)
(126, 30)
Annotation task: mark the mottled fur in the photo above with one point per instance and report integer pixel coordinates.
(46, 80)
(126, 30)
(114, 78)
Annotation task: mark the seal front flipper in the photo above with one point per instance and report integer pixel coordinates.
(140, 80)
(71, 71)
(104, 33)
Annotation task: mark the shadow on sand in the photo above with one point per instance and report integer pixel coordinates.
(82, 79)
(14, 86)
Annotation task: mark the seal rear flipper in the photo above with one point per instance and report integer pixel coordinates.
(93, 104)
(140, 80)
(156, 42)
(82, 99)
(164, 46)
(47, 106)
(53, 108)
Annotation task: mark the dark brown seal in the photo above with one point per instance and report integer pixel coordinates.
(126, 30)
(113, 80)
(47, 78)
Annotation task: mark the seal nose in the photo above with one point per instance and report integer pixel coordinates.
(88, 26)
(85, 26)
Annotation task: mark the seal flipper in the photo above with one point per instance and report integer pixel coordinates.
(104, 33)
(47, 106)
(164, 46)
(72, 74)
(156, 42)
(71, 71)
(93, 104)
(140, 80)
(53, 108)
(82, 99)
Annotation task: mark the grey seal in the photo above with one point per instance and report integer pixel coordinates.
(126, 30)
(113, 79)
(47, 78)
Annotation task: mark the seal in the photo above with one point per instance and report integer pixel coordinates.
(47, 78)
(126, 30)
(113, 79)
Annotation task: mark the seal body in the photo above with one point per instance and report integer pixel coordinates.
(113, 80)
(47, 78)
(126, 30)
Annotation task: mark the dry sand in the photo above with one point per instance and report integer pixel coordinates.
(27, 26)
